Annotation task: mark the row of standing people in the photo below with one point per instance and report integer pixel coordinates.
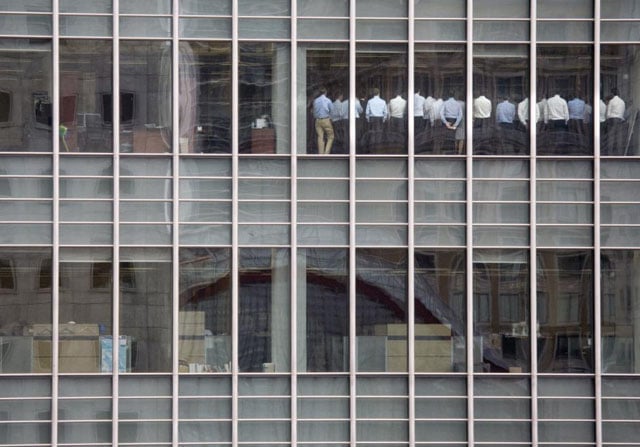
(439, 124)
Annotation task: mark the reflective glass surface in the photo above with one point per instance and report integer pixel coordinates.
(565, 311)
(25, 285)
(205, 310)
(381, 315)
(501, 120)
(501, 311)
(323, 99)
(85, 328)
(264, 98)
(205, 97)
(620, 301)
(26, 111)
(86, 123)
(439, 79)
(565, 100)
(381, 87)
(264, 310)
(145, 97)
(323, 309)
(618, 111)
(440, 310)
(145, 312)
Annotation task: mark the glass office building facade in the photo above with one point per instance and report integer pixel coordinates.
(192, 254)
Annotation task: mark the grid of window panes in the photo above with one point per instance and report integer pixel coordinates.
(301, 222)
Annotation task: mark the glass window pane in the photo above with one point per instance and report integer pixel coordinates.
(565, 99)
(205, 97)
(323, 99)
(25, 281)
(381, 319)
(620, 301)
(565, 311)
(381, 79)
(501, 99)
(381, 8)
(323, 309)
(510, 9)
(145, 290)
(264, 310)
(568, 31)
(205, 27)
(501, 31)
(439, 107)
(437, 8)
(567, 9)
(501, 310)
(262, 8)
(209, 7)
(205, 310)
(145, 97)
(146, 7)
(264, 98)
(85, 312)
(90, 6)
(440, 311)
(86, 74)
(25, 95)
(617, 112)
(326, 8)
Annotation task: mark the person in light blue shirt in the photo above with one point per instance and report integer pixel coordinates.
(451, 112)
(377, 111)
(505, 113)
(576, 108)
(322, 107)
(576, 124)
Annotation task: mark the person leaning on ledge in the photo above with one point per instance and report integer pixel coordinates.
(322, 107)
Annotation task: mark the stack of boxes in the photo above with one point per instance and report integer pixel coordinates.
(192, 347)
(79, 348)
(433, 347)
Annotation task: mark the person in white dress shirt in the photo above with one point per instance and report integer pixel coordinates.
(481, 112)
(556, 113)
(615, 124)
(397, 113)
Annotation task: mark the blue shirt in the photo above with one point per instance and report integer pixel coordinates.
(576, 109)
(322, 107)
(505, 112)
(451, 109)
(376, 108)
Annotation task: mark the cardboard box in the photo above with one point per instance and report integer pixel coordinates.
(191, 350)
(433, 364)
(400, 330)
(64, 329)
(437, 330)
(438, 348)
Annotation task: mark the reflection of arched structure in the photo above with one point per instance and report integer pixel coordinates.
(565, 311)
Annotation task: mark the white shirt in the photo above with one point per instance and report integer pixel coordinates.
(523, 111)
(615, 108)
(556, 109)
(428, 107)
(603, 111)
(397, 107)
(482, 107)
(418, 105)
